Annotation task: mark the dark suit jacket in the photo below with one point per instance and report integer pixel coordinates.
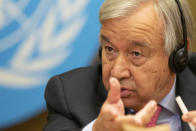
(74, 98)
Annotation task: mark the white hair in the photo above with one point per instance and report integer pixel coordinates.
(167, 9)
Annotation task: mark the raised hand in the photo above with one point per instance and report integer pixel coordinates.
(112, 114)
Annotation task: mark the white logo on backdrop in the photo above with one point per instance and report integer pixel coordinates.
(43, 48)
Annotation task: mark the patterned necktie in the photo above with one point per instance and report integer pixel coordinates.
(155, 117)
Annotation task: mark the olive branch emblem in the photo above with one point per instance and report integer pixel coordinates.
(44, 48)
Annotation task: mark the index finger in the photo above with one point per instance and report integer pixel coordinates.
(114, 91)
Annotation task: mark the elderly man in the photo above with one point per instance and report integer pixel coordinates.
(145, 65)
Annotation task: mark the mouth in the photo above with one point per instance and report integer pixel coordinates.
(126, 92)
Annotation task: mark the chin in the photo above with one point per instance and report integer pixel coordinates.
(129, 103)
(132, 103)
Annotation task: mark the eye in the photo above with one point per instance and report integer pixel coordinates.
(110, 52)
(136, 53)
(109, 49)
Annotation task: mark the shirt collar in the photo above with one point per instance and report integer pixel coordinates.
(169, 101)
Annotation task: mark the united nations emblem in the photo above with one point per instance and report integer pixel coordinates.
(37, 40)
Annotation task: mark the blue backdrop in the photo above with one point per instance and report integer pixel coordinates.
(38, 39)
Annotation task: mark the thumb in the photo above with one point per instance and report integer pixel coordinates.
(114, 91)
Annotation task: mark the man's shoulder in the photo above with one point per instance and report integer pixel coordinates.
(84, 71)
(81, 74)
(75, 83)
(75, 92)
(79, 78)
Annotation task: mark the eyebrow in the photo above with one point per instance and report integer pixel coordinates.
(138, 43)
(105, 38)
(132, 42)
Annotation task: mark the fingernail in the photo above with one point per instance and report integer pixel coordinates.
(113, 80)
(153, 104)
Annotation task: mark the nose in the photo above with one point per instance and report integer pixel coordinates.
(120, 69)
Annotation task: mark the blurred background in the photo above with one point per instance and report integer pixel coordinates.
(39, 39)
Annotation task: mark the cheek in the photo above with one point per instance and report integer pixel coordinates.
(145, 80)
(152, 76)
